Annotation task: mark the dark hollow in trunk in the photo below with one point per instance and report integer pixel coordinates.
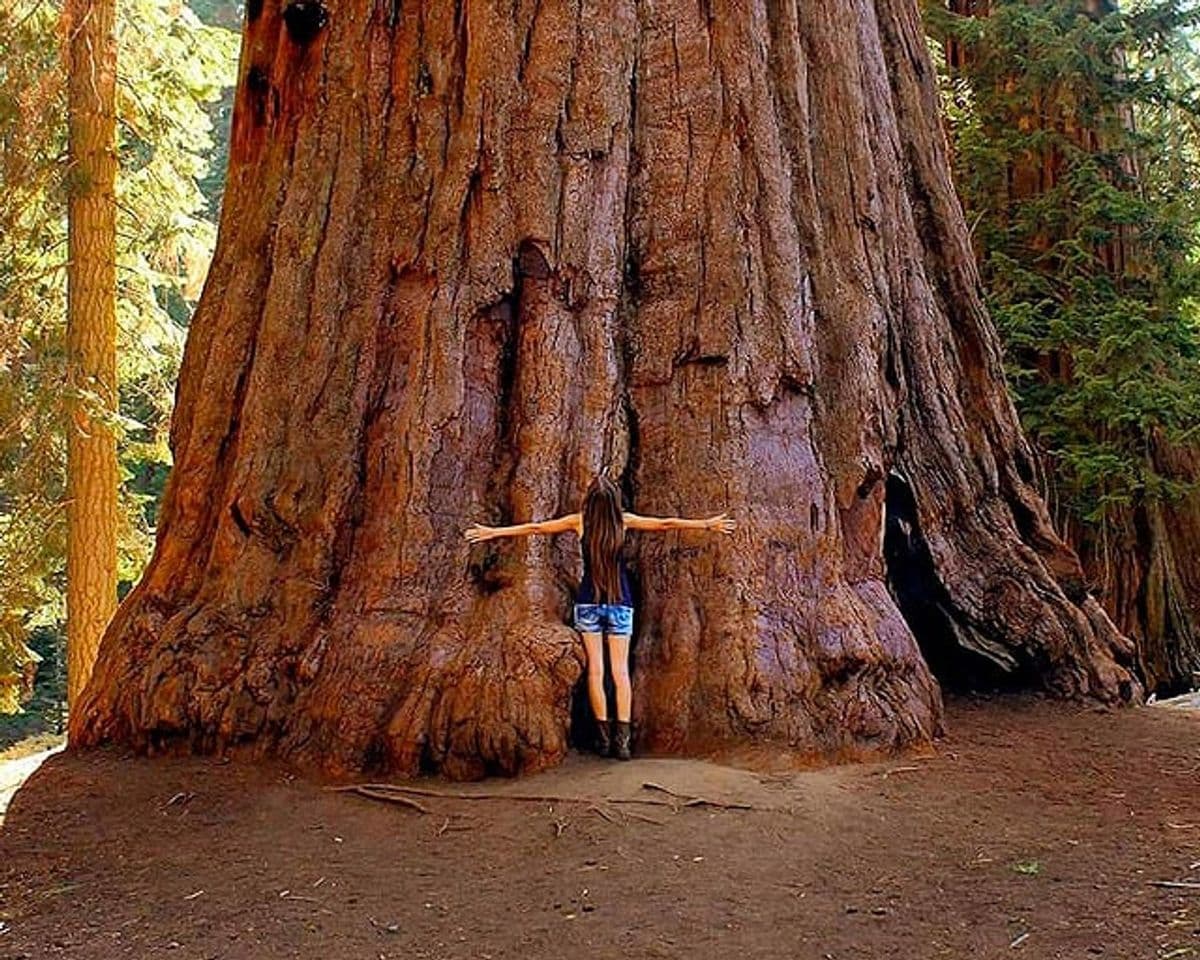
(471, 254)
(962, 660)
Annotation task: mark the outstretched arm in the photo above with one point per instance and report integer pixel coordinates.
(720, 523)
(570, 523)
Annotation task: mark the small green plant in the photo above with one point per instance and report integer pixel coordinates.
(1028, 868)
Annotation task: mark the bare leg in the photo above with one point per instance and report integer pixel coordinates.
(618, 653)
(594, 645)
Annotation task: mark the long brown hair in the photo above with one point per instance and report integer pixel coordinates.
(603, 535)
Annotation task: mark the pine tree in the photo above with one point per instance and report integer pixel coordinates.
(1073, 128)
(91, 56)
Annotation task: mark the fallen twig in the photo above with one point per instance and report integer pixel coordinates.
(888, 773)
(690, 801)
(373, 793)
(462, 794)
(649, 785)
(1174, 884)
(641, 816)
(599, 810)
(55, 891)
(395, 792)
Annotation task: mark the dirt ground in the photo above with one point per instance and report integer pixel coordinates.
(1038, 830)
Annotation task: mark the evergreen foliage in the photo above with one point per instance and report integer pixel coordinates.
(1074, 135)
(170, 68)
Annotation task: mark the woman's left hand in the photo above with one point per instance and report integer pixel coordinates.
(722, 523)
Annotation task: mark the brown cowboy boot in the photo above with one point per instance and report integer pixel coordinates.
(603, 738)
(623, 740)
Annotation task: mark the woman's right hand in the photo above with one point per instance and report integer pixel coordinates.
(477, 532)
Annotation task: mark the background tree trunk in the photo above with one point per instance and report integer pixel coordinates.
(470, 254)
(91, 60)
(1142, 566)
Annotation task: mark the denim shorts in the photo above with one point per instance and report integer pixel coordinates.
(611, 618)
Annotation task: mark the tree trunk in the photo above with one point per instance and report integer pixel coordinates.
(471, 254)
(91, 59)
(1142, 564)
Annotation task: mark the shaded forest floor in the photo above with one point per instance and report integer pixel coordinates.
(1037, 829)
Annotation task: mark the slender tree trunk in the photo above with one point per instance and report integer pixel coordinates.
(472, 253)
(91, 334)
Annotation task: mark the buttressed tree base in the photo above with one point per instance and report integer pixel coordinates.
(473, 253)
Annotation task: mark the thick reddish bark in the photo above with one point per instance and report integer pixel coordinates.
(468, 257)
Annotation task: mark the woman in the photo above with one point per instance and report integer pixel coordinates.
(604, 607)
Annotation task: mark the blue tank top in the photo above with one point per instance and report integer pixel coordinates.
(587, 587)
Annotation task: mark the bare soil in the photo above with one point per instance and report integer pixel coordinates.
(1037, 830)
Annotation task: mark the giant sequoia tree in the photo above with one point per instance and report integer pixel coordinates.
(470, 254)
